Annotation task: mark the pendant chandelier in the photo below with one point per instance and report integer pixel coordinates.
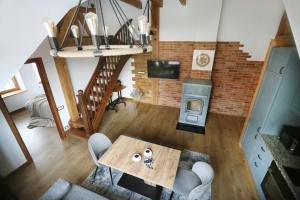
(101, 43)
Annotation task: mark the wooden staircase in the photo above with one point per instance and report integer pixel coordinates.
(93, 100)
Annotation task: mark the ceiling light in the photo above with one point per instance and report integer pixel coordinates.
(142, 22)
(92, 22)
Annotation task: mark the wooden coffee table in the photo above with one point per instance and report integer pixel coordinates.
(138, 177)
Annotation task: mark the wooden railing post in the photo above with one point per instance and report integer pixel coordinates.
(85, 113)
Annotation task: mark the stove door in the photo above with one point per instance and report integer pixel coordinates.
(194, 106)
(193, 110)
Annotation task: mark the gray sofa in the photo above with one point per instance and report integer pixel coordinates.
(65, 190)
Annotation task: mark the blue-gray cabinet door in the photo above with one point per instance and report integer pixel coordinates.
(263, 103)
(260, 161)
(279, 59)
(284, 109)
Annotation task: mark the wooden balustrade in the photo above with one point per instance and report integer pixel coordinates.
(122, 37)
(85, 116)
(94, 99)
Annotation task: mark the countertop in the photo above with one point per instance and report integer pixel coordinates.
(283, 158)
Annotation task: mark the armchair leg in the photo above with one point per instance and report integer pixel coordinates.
(95, 173)
(111, 179)
(171, 196)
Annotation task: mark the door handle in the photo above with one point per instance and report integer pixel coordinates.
(59, 108)
(259, 157)
(281, 70)
(258, 129)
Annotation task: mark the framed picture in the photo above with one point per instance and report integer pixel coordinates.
(203, 60)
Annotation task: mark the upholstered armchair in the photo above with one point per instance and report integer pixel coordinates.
(194, 184)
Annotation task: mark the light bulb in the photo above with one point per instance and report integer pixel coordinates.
(148, 29)
(50, 27)
(92, 22)
(75, 31)
(130, 28)
(142, 21)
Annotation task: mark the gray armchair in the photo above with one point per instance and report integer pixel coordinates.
(98, 143)
(193, 184)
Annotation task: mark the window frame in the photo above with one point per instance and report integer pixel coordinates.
(16, 88)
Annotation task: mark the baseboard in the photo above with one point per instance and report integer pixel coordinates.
(190, 128)
(17, 111)
(17, 169)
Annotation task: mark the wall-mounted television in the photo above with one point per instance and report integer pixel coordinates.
(163, 69)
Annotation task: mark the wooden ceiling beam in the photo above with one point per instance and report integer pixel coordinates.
(158, 2)
(136, 3)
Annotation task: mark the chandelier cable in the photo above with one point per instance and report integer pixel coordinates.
(121, 13)
(115, 13)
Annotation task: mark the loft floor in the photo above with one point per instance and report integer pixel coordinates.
(70, 159)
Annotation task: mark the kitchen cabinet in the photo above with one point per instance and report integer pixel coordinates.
(259, 162)
(272, 109)
(279, 59)
(284, 108)
(265, 97)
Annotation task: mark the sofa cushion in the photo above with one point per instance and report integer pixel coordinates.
(57, 191)
(185, 181)
(80, 193)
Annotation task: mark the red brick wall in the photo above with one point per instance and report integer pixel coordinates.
(234, 77)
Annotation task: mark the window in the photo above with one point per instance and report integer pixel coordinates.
(11, 86)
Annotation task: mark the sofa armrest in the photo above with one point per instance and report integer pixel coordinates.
(57, 191)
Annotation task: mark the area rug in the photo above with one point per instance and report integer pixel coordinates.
(102, 183)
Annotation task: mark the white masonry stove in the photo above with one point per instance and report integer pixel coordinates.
(194, 105)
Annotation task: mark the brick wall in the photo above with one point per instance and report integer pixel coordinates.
(234, 80)
(169, 91)
(234, 77)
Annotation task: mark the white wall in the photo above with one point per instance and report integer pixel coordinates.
(31, 86)
(254, 23)
(81, 70)
(197, 21)
(292, 8)
(22, 30)
(43, 52)
(11, 156)
(126, 79)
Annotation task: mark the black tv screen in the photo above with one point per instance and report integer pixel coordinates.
(163, 69)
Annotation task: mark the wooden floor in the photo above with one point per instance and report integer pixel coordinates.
(69, 159)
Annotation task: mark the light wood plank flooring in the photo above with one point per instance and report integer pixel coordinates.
(69, 159)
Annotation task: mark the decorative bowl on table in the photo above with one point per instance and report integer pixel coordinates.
(136, 157)
(148, 153)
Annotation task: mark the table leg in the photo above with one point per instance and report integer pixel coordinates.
(95, 173)
(171, 196)
(111, 178)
